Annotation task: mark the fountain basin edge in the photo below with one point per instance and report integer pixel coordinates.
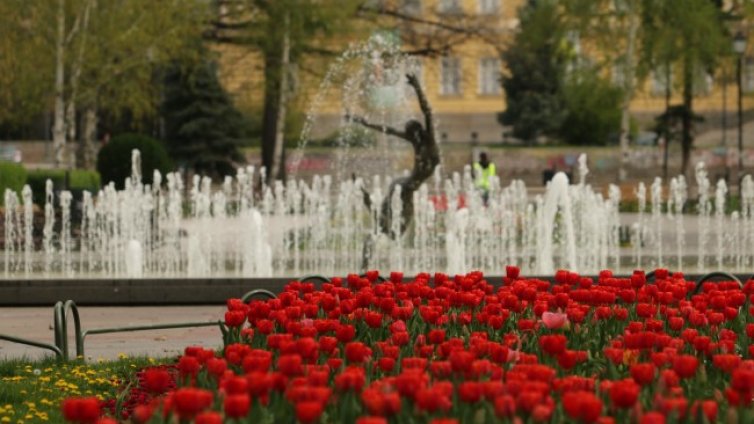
(159, 291)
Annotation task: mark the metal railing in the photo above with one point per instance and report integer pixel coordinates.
(63, 309)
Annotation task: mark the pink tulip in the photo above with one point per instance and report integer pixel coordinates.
(554, 320)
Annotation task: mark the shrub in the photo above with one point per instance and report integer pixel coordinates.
(12, 176)
(78, 180)
(593, 110)
(114, 159)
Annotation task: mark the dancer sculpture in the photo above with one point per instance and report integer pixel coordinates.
(426, 159)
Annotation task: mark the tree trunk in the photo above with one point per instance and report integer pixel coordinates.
(687, 138)
(277, 169)
(75, 76)
(88, 137)
(666, 127)
(59, 130)
(270, 115)
(628, 87)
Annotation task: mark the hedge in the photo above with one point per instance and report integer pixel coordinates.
(12, 176)
(114, 159)
(78, 180)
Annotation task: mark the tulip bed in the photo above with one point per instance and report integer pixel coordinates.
(442, 349)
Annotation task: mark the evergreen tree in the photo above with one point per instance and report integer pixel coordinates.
(202, 127)
(536, 61)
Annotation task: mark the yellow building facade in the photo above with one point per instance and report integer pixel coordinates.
(463, 85)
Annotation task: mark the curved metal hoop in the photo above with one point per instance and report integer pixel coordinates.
(716, 274)
(379, 277)
(318, 278)
(60, 326)
(257, 292)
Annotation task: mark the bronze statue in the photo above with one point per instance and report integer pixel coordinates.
(426, 159)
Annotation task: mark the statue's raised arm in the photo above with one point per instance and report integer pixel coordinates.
(429, 124)
(381, 128)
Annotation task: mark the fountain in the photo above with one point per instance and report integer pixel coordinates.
(369, 215)
(320, 226)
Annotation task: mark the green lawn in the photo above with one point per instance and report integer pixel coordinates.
(31, 391)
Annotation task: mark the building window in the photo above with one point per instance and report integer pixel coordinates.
(411, 7)
(449, 6)
(662, 79)
(489, 76)
(489, 7)
(450, 76)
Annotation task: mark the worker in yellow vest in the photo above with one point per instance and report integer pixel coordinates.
(483, 171)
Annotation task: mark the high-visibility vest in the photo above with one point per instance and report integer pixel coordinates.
(483, 175)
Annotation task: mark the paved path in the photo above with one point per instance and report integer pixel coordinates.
(36, 324)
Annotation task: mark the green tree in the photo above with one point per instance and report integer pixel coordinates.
(94, 56)
(593, 109)
(287, 33)
(23, 88)
(693, 38)
(537, 63)
(202, 127)
(612, 28)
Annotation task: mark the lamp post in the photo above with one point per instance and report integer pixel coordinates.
(739, 47)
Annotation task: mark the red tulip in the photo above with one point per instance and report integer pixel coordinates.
(685, 365)
(81, 409)
(235, 318)
(582, 406)
(505, 406)
(460, 360)
(357, 352)
(653, 418)
(290, 365)
(345, 333)
(708, 408)
(352, 379)
(189, 401)
(643, 373)
(470, 391)
(237, 405)
(235, 385)
(742, 380)
(726, 362)
(209, 417)
(553, 344)
(308, 412)
(216, 367)
(624, 393)
(188, 366)
(436, 336)
(156, 380)
(371, 420)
